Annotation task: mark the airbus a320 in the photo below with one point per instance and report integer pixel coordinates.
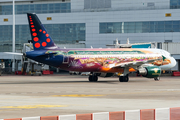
(99, 62)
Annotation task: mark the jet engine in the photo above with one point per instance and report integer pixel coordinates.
(150, 71)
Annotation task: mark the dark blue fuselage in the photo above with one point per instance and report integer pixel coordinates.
(42, 57)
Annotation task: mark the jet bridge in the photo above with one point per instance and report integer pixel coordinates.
(30, 66)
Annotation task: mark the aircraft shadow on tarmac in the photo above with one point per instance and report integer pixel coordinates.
(55, 82)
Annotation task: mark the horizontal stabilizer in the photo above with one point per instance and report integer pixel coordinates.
(12, 53)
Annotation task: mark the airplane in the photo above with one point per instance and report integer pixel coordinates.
(102, 62)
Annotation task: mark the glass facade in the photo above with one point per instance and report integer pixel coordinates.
(5, 38)
(60, 33)
(140, 27)
(36, 8)
(67, 33)
(174, 4)
(96, 4)
(5, 9)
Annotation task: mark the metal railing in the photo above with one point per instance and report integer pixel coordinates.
(7, 70)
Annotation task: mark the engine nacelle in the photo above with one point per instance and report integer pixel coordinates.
(150, 71)
(106, 74)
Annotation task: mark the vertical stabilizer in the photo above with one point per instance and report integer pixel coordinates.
(40, 38)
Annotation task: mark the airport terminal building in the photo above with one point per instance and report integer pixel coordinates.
(93, 23)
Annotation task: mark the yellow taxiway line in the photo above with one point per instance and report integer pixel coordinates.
(33, 106)
(77, 95)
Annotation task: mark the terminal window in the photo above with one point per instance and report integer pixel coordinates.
(60, 33)
(95, 4)
(139, 27)
(175, 4)
(36, 8)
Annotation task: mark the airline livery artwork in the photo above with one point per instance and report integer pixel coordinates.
(105, 59)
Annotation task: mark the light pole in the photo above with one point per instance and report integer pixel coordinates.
(13, 41)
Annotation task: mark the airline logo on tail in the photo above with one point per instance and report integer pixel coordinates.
(40, 37)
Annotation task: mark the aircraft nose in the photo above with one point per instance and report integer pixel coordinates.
(173, 62)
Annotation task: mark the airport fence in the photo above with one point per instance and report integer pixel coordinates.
(143, 114)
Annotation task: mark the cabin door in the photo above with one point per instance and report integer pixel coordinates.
(65, 59)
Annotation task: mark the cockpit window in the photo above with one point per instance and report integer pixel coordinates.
(165, 53)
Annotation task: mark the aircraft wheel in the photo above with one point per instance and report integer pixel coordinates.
(90, 78)
(93, 78)
(157, 78)
(124, 78)
(121, 78)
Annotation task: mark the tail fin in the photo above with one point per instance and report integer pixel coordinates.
(40, 38)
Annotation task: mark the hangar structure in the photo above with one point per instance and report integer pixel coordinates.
(94, 23)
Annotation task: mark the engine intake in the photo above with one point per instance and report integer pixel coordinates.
(150, 71)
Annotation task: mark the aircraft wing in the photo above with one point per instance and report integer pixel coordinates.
(135, 63)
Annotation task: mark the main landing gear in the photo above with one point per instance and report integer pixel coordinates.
(124, 78)
(93, 78)
(157, 78)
